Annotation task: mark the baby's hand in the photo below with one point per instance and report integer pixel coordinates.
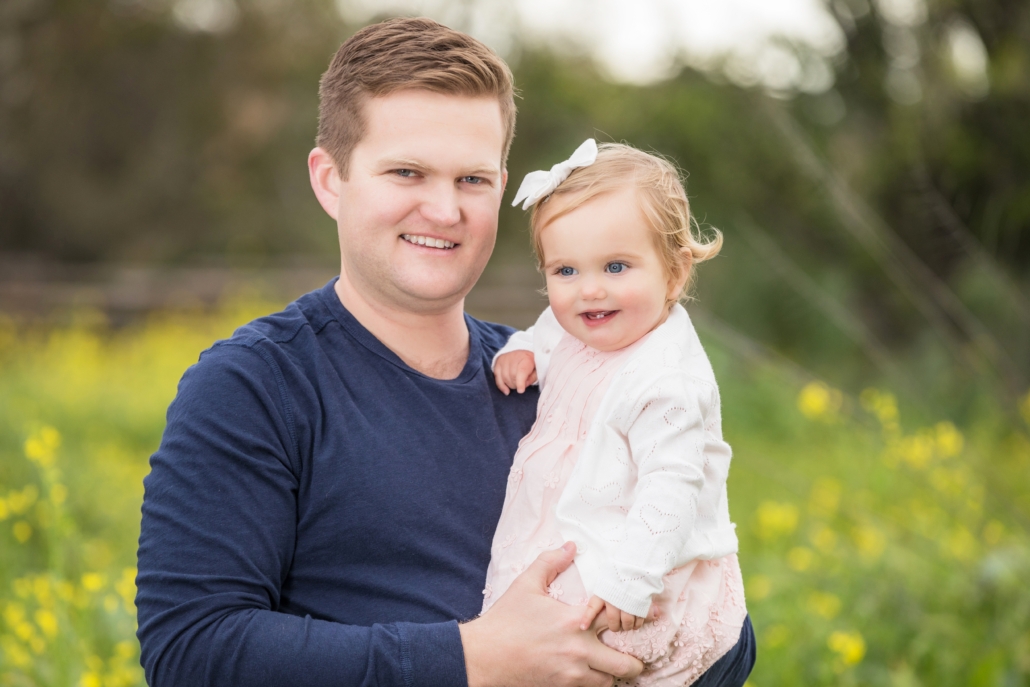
(617, 620)
(514, 370)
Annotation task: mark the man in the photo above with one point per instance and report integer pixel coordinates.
(322, 504)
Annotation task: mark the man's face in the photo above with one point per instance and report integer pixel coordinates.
(417, 215)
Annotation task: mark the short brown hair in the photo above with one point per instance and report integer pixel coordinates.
(661, 195)
(405, 53)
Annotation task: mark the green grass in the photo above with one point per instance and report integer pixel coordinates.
(874, 551)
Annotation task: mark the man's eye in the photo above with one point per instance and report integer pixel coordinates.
(615, 267)
(472, 180)
(566, 271)
(404, 172)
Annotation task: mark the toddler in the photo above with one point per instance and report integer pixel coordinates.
(626, 456)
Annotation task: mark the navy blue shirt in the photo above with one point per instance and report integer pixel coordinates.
(319, 513)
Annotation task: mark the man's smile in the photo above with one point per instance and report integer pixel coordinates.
(428, 241)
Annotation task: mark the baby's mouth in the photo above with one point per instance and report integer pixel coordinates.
(598, 315)
(428, 241)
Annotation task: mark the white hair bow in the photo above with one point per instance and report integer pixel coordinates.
(540, 184)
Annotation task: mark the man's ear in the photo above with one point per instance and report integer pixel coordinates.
(325, 180)
(504, 181)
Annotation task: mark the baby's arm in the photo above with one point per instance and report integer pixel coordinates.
(525, 357)
(514, 370)
(666, 440)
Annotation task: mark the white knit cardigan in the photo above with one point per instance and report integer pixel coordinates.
(648, 491)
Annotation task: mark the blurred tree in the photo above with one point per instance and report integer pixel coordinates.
(882, 218)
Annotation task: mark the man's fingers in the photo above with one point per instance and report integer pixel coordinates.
(547, 566)
(598, 679)
(612, 662)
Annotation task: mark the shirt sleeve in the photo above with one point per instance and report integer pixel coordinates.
(667, 441)
(541, 339)
(216, 544)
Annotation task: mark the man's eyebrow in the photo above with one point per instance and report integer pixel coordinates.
(406, 163)
(483, 171)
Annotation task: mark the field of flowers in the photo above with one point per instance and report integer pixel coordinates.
(876, 550)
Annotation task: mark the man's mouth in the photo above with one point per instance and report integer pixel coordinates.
(428, 241)
(593, 317)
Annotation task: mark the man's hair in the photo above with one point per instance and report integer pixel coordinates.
(661, 195)
(400, 54)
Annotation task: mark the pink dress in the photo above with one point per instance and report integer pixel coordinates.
(701, 609)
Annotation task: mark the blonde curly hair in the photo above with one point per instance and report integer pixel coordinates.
(663, 201)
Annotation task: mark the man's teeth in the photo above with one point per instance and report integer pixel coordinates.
(427, 241)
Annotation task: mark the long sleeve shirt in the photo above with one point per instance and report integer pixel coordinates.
(319, 513)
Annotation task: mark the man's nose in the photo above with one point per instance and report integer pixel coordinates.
(441, 206)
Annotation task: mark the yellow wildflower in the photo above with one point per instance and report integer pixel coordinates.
(776, 519)
(869, 541)
(818, 401)
(916, 450)
(47, 622)
(21, 501)
(14, 614)
(948, 439)
(92, 582)
(126, 588)
(4, 510)
(22, 531)
(90, 679)
(14, 652)
(41, 447)
(24, 630)
(882, 404)
(961, 544)
(849, 646)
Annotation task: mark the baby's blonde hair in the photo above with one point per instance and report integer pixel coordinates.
(662, 197)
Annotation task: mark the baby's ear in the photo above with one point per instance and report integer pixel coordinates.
(679, 278)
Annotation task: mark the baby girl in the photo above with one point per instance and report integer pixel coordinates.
(626, 457)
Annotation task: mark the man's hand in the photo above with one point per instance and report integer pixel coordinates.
(617, 620)
(514, 370)
(528, 639)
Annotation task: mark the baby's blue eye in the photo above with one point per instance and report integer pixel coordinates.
(615, 267)
(566, 271)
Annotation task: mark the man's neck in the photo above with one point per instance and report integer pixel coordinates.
(435, 343)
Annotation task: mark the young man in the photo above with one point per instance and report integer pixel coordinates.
(321, 507)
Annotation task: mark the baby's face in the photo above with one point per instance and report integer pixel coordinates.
(605, 278)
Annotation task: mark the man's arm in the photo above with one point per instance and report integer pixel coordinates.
(217, 540)
(527, 638)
